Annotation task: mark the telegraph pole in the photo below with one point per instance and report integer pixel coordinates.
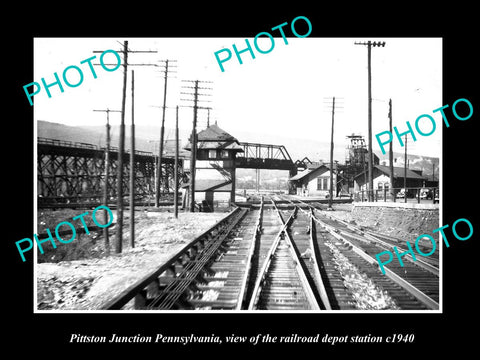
(121, 145)
(390, 152)
(334, 105)
(330, 199)
(132, 168)
(162, 133)
(105, 184)
(193, 154)
(175, 176)
(369, 45)
(405, 171)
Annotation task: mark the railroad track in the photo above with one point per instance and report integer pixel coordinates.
(284, 282)
(282, 257)
(414, 286)
(253, 260)
(178, 280)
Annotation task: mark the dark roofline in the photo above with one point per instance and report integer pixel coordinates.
(308, 173)
(215, 133)
(386, 170)
(207, 138)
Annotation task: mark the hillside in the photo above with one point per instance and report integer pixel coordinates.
(416, 162)
(146, 136)
(146, 139)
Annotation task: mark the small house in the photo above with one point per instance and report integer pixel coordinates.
(315, 180)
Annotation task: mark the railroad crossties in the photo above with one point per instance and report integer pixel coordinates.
(79, 276)
(283, 255)
(279, 254)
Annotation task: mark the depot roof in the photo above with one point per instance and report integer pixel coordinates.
(213, 137)
(398, 172)
(214, 133)
(310, 173)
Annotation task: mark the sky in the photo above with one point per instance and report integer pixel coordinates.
(286, 92)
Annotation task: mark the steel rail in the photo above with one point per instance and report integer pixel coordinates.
(370, 238)
(309, 294)
(246, 275)
(312, 300)
(318, 277)
(423, 264)
(418, 294)
(136, 289)
(170, 295)
(420, 262)
(335, 232)
(262, 274)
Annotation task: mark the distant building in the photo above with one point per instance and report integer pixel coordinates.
(381, 178)
(315, 181)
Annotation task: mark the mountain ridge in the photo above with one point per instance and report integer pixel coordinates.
(146, 139)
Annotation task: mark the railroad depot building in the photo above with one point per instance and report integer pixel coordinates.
(215, 167)
(381, 178)
(315, 180)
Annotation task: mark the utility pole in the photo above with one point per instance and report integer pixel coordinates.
(334, 105)
(390, 152)
(175, 175)
(132, 168)
(330, 199)
(405, 171)
(193, 154)
(369, 45)
(105, 184)
(433, 170)
(121, 145)
(433, 181)
(162, 133)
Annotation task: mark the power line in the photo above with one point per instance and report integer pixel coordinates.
(132, 168)
(175, 175)
(121, 146)
(119, 234)
(330, 103)
(330, 200)
(162, 132)
(105, 185)
(369, 45)
(193, 154)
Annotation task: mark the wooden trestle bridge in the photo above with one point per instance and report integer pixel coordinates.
(74, 172)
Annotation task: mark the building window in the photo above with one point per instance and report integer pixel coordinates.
(380, 186)
(224, 154)
(322, 183)
(212, 154)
